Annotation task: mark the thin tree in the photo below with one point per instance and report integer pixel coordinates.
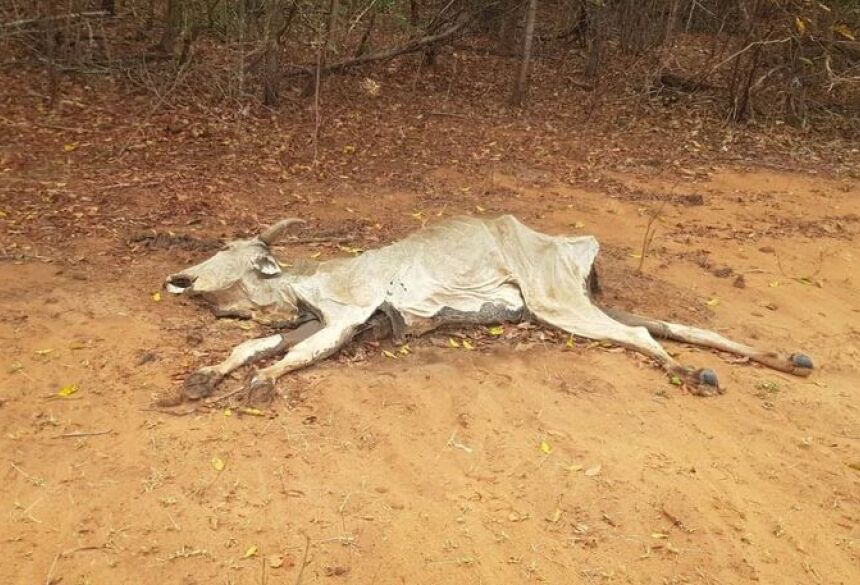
(521, 85)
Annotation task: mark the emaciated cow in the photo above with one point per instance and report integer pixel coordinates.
(463, 271)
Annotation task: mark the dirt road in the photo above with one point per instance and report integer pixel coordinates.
(524, 460)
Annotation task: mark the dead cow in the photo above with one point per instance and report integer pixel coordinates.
(463, 271)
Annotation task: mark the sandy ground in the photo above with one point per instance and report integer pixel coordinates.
(429, 468)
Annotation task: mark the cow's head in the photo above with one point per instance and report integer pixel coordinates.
(239, 278)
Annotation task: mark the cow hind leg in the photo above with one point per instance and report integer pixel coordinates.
(594, 324)
(797, 363)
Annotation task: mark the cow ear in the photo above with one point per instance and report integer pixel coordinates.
(267, 266)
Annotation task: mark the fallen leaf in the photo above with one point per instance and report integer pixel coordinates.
(251, 551)
(569, 343)
(635, 255)
(453, 342)
(276, 562)
(575, 468)
(676, 380)
(72, 146)
(659, 535)
(468, 345)
(316, 255)
(496, 330)
(480, 209)
(774, 284)
(217, 464)
(842, 29)
(713, 302)
(77, 345)
(44, 351)
(556, 516)
(388, 354)
(799, 24)
(156, 296)
(579, 225)
(593, 471)
(853, 465)
(2, 213)
(405, 350)
(545, 448)
(252, 411)
(228, 412)
(348, 149)
(68, 390)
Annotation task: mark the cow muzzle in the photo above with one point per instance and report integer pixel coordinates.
(179, 283)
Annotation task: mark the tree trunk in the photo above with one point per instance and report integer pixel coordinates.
(109, 6)
(413, 13)
(171, 26)
(521, 86)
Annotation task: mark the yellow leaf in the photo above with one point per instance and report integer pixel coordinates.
(217, 464)
(252, 411)
(545, 448)
(842, 29)
(72, 146)
(316, 255)
(348, 149)
(388, 354)
(228, 412)
(251, 551)
(77, 345)
(593, 471)
(799, 25)
(635, 255)
(44, 351)
(579, 225)
(556, 516)
(2, 213)
(713, 302)
(468, 344)
(774, 284)
(497, 330)
(575, 468)
(569, 342)
(480, 209)
(156, 296)
(418, 214)
(404, 350)
(68, 390)
(659, 535)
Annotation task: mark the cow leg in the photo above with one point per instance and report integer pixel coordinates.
(318, 346)
(202, 382)
(797, 363)
(594, 324)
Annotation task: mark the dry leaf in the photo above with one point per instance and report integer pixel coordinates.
(251, 551)
(316, 255)
(496, 330)
(842, 29)
(68, 390)
(72, 146)
(453, 342)
(468, 344)
(659, 535)
(404, 350)
(276, 561)
(156, 296)
(252, 411)
(44, 351)
(593, 471)
(556, 516)
(388, 354)
(217, 464)
(713, 302)
(228, 412)
(545, 448)
(799, 24)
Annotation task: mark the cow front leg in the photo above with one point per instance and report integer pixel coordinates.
(317, 347)
(203, 382)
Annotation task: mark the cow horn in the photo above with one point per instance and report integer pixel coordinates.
(271, 234)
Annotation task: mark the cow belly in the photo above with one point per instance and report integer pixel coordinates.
(497, 304)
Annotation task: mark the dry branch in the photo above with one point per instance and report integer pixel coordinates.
(412, 46)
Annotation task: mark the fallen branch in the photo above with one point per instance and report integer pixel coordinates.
(72, 16)
(410, 47)
(82, 434)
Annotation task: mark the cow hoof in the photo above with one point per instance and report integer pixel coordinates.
(802, 363)
(705, 383)
(260, 391)
(200, 384)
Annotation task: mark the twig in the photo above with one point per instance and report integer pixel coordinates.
(304, 559)
(49, 579)
(82, 434)
(650, 232)
(71, 16)
(747, 48)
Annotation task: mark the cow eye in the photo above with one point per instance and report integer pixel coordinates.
(267, 266)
